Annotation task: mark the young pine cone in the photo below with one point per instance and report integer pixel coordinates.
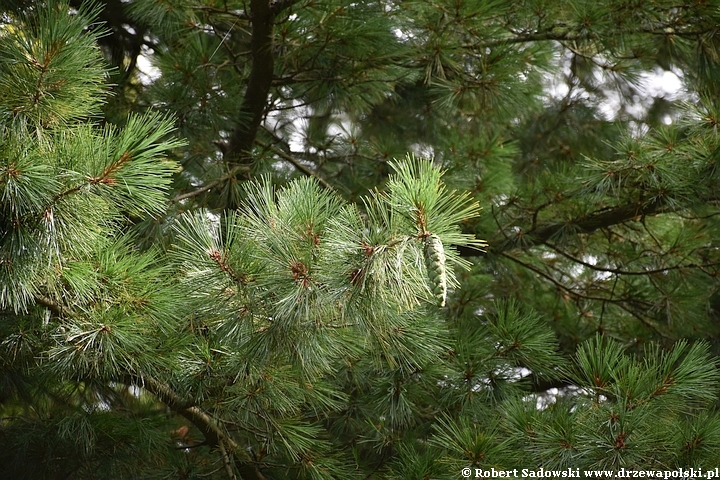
(435, 262)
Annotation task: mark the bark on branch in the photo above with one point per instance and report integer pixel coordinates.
(239, 148)
(540, 234)
(215, 436)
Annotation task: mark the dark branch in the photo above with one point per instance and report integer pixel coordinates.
(278, 6)
(589, 223)
(541, 234)
(619, 271)
(256, 94)
(214, 435)
(55, 308)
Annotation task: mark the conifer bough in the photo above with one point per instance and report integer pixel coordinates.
(299, 337)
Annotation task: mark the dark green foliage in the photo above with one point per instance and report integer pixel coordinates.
(213, 264)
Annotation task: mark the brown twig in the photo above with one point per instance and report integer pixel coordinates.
(296, 163)
(214, 435)
(574, 293)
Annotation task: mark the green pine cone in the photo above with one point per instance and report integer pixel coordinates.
(435, 262)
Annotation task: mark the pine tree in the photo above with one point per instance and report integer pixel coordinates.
(233, 268)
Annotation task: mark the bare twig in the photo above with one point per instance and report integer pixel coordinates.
(618, 271)
(296, 163)
(209, 186)
(574, 293)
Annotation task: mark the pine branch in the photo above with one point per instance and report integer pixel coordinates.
(221, 261)
(121, 42)
(226, 461)
(527, 38)
(201, 190)
(106, 175)
(667, 30)
(542, 385)
(592, 222)
(215, 437)
(55, 308)
(607, 217)
(240, 15)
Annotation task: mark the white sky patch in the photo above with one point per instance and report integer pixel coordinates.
(543, 400)
(555, 86)
(656, 84)
(296, 141)
(401, 35)
(297, 124)
(341, 130)
(500, 199)
(598, 274)
(147, 72)
(423, 150)
(662, 83)
(577, 270)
